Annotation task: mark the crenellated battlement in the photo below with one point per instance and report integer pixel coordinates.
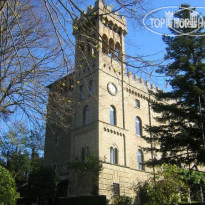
(112, 28)
(107, 17)
(107, 10)
(144, 85)
(113, 67)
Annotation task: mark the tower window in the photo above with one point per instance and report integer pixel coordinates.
(91, 87)
(112, 115)
(81, 92)
(139, 160)
(105, 44)
(82, 47)
(113, 155)
(117, 51)
(55, 168)
(111, 47)
(57, 139)
(137, 103)
(89, 50)
(85, 115)
(119, 32)
(85, 152)
(138, 125)
(116, 189)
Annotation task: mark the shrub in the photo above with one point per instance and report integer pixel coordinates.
(8, 194)
(168, 188)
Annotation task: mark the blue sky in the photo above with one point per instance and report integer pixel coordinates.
(141, 42)
(150, 44)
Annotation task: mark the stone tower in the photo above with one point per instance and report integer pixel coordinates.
(109, 108)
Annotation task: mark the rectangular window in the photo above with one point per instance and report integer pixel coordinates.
(111, 155)
(91, 87)
(85, 152)
(57, 139)
(138, 129)
(137, 103)
(81, 92)
(116, 156)
(112, 115)
(139, 159)
(112, 122)
(85, 115)
(116, 189)
(138, 126)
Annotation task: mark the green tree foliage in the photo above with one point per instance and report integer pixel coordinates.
(178, 137)
(85, 172)
(89, 165)
(20, 139)
(19, 153)
(42, 183)
(196, 182)
(122, 200)
(167, 188)
(8, 192)
(193, 177)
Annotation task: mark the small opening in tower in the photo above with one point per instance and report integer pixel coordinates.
(82, 47)
(111, 48)
(117, 51)
(88, 48)
(115, 29)
(104, 44)
(119, 32)
(93, 21)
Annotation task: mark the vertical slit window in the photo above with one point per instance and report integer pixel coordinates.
(85, 115)
(139, 160)
(138, 126)
(85, 152)
(91, 87)
(81, 92)
(112, 115)
(113, 155)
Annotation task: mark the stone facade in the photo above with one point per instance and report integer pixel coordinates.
(99, 62)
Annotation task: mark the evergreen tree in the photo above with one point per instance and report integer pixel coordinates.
(179, 137)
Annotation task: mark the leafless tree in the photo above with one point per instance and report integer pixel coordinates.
(37, 48)
(29, 59)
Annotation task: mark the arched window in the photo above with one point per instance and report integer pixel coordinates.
(85, 115)
(138, 125)
(111, 47)
(113, 155)
(112, 115)
(91, 87)
(139, 160)
(81, 92)
(105, 44)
